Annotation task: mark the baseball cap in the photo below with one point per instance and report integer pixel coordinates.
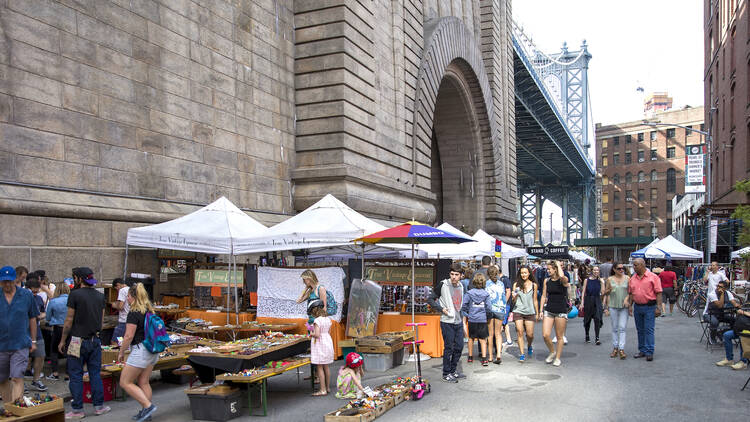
(354, 360)
(314, 304)
(7, 273)
(86, 274)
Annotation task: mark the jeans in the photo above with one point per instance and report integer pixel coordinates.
(619, 318)
(453, 339)
(91, 356)
(729, 347)
(645, 320)
(54, 353)
(592, 310)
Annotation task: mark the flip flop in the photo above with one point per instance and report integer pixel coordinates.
(318, 393)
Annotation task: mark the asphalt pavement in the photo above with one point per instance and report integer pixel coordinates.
(681, 383)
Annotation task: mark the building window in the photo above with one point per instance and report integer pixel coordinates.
(604, 160)
(653, 155)
(618, 232)
(640, 137)
(654, 175)
(616, 140)
(615, 158)
(641, 231)
(670, 133)
(604, 143)
(628, 178)
(628, 232)
(605, 216)
(616, 215)
(669, 205)
(652, 135)
(605, 197)
(616, 197)
(641, 176)
(671, 180)
(641, 194)
(669, 225)
(654, 213)
(628, 157)
(605, 232)
(628, 214)
(616, 179)
(640, 212)
(670, 152)
(628, 195)
(641, 156)
(605, 180)
(628, 139)
(654, 194)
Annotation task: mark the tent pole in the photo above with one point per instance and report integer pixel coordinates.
(229, 280)
(125, 267)
(362, 276)
(412, 285)
(236, 300)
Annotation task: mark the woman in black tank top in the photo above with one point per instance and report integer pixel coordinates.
(555, 297)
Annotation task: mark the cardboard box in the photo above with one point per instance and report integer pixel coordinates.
(350, 415)
(27, 411)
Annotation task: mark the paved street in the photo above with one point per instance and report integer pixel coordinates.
(681, 383)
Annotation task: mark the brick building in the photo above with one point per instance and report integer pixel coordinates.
(119, 113)
(727, 97)
(640, 169)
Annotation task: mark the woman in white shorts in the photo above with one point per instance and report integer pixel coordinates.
(137, 371)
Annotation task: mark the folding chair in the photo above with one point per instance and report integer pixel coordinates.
(745, 340)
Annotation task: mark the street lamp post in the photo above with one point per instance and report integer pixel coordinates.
(709, 183)
(654, 231)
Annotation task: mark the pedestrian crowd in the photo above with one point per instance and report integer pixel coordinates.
(74, 310)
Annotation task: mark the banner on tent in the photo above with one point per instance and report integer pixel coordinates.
(398, 276)
(498, 249)
(220, 278)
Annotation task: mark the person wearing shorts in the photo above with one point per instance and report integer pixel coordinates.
(555, 296)
(668, 278)
(17, 329)
(524, 311)
(137, 371)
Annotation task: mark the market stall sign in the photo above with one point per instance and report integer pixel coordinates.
(401, 275)
(548, 252)
(219, 278)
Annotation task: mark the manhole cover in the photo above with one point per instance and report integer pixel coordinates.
(542, 377)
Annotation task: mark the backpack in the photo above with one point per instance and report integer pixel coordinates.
(155, 338)
(331, 306)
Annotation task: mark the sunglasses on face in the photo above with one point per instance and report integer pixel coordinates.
(620, 268)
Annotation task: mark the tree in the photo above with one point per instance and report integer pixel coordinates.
(742, 212)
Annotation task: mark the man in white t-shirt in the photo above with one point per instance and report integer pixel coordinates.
(714, 276)
(122, 305)
(717, 301)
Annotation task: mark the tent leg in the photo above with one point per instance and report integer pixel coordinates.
(236, 301)
(413, 295)
(125, 267)
(226, 308)
(362, 276)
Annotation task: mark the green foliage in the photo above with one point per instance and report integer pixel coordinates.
(742, 212)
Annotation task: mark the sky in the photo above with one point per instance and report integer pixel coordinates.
(653, 44)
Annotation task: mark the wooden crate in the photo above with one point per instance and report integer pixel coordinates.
(56, 404)
(381, 409)
(405, 335)
(361, 415)
(378, 344)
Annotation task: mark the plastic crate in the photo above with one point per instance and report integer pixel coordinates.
(109, 390)
(378, 362)
(218, 408)
(398, 357)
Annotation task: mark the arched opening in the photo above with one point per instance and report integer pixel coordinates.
(456, 167)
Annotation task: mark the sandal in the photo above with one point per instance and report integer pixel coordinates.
(470, 359)
(485, 362)
(319, 393)
(614, 353)
(622, 354)
(498, 361)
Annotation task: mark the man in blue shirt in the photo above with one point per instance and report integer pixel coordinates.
(16, 307)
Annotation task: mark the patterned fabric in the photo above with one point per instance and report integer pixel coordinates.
(345, 385)
(321, 349)
(279, 288)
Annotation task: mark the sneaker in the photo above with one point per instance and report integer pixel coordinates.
(588, 340)
(557, 362)
(138, 415)
(509, 343)
(565, 340)
(458, 376)
(147, 412)
(554, 340)
(724, 362)
(598, 343)
(53, 377)
(449, 378)
(739, 366)
(39, 386)
(550, 357)
(522, 358)
(75, 415)
(28, 374)
(531, 352)
(102, 410)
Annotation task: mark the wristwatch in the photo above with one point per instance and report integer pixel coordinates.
(33, 342)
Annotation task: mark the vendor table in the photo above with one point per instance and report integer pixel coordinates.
(261, 383)
(52, 415)
(169, 314)
(224, 333)
(431, 334)
(208, 365)
(218, 318)
(169, 362)
(337, 329)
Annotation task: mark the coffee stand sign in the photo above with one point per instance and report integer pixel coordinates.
(548, 252)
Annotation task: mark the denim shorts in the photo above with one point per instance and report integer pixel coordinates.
(141, 358)
(551, 315)
(498, 315)
(13, 364)
(40, 352)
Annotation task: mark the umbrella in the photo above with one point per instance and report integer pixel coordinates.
(414, 233)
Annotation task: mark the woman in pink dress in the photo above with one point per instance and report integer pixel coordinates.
(321, 349)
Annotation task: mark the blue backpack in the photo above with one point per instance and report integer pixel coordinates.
(331, 306)
(156, 338)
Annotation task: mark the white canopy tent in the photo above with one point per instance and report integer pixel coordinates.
(484, 246)
(736, 254)
(668, 248)
(581, 256)
(214, 229)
